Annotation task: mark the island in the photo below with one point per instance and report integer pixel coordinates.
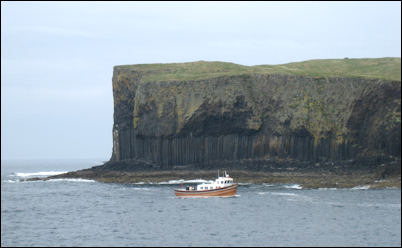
(318, 123)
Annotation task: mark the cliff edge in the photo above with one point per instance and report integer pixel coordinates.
(320, 123)
(209, 114)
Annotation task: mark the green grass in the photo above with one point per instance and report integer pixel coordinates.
(380, 68)
(383, 68)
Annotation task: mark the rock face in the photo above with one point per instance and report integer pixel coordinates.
(251, 115)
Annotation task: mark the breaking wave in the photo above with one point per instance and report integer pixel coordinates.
(284, 194)
(50, 180)
(11, 181)
(180, 181)
(71, 180)
(362, 187)
(40, 174)
(293, 186)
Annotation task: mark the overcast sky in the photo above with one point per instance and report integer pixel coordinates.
(57, 58)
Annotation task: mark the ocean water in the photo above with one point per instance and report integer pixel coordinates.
(79, 212)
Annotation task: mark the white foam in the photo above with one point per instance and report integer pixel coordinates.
(41, 173)
(362, 187)
(145, 189)
(285, 194)
(327, 188)
(11, 181)
(293, 186)
(81, 180)
(180, 181)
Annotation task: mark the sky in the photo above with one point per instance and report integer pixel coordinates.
(57, 58)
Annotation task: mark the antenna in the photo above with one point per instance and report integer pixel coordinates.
(218, 173)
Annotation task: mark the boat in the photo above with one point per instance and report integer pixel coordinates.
(221, 187)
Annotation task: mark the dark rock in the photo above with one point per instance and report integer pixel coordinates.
(228, 119)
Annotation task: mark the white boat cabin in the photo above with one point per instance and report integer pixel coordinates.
(220, 182)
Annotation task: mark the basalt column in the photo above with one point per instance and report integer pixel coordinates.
(252, 116)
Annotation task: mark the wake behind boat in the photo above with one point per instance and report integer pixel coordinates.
(222, 186)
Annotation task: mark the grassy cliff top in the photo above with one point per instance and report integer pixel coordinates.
(381, 68)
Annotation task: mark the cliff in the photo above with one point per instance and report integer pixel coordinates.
(208, 114)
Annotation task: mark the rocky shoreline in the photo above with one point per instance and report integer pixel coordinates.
(311, 176)
(313, 128)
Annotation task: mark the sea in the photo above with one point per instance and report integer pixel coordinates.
(82, 212)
